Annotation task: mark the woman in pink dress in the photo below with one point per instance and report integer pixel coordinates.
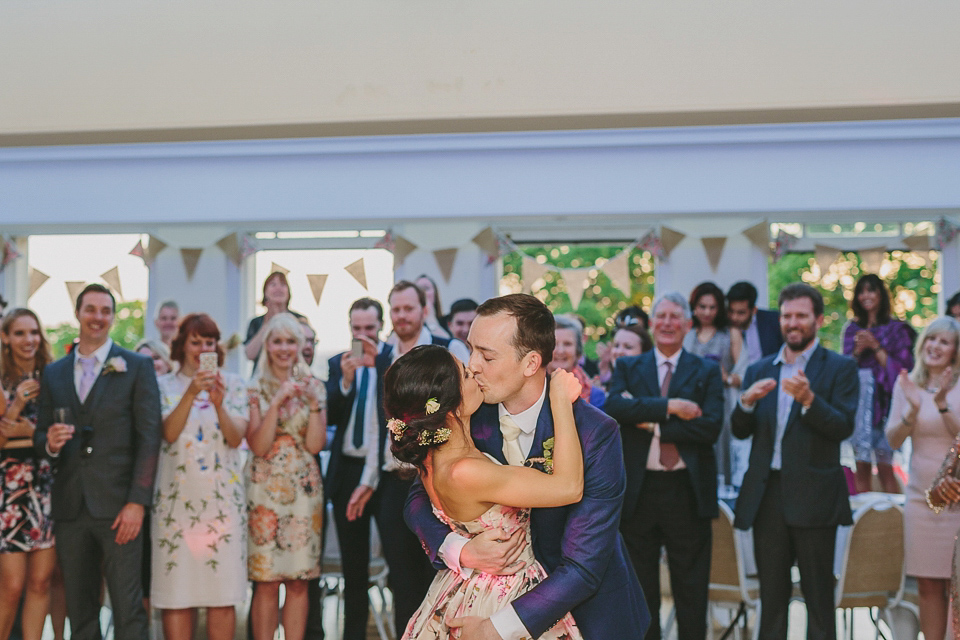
(926, 408)
(431, 397)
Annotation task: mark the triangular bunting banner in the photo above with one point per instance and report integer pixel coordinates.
(783, 244)
(73, 290)
(651, 242)
(317, 282)
(946, 231)
(919, 245)
(576, 281)
(402, 248)
(247, 246)
(618, 270)
(154, 247)
(533, 271)
(670, 238)
(112, 278)
(37, 278)
(274, 267)
(190, 259)
(10, 253)
(759, 235)
(230, 245)
(714, 248)
(825, 257)
(445, 260)
(138, 250)
(872, 258)
(487, 241)
(386, 242)
(358, 272)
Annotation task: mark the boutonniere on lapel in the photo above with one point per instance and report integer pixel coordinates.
(547, 459)
(116, 364)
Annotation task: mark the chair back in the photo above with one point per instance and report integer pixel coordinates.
(872, 558)
(728, 582)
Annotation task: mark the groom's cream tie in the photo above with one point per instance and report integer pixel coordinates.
(511, 441)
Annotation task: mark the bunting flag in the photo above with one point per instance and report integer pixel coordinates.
(149, 253)
(871, 259)
(577, 281)
(74, 288)
(651, 242)
(247, 246)
(190, 259)
(37, 278)
(759, 235)
(489, 243)
(533, 271)
(714, 248)
(274, 267)
(945, 233)
(920, 245)
(825, 257)
(112, 278)
(317, 282)
(386, 242)
(670, 238)
(445, 260)
(10, 253)
(617, 269)
(782, 245)
(358, 272)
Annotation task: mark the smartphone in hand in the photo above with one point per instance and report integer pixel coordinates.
(356, 349)
(208, 361)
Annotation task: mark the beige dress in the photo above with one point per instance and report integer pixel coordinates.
(284, 501)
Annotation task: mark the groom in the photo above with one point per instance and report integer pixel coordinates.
(511, 342)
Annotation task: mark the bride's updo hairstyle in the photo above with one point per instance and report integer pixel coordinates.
(420, 389)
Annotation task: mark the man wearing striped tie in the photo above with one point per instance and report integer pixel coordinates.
(669, 404)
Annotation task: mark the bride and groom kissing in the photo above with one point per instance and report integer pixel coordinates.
(520, 491)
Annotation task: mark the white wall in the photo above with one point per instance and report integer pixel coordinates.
(127, 65)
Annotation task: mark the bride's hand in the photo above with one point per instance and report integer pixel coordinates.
(565, 385)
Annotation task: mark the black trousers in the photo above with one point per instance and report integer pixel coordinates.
(777, 546)
(84, 546)
(666, 516)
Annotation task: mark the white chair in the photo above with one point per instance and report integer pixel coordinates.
(729, 585)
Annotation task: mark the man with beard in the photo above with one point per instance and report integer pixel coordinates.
(799, 406)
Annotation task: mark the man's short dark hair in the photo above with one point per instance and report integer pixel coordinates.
(96, 288)
(743, 291)
(799, 290)
(403, 285)
(367, 303)
(461, 305)
(536, 327)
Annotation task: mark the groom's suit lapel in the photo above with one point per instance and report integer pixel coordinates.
(102, 381)
(544, 427)
(66, 380)
(485, 428)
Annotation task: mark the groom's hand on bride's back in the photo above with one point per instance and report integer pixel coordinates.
(494, 552)
(474, 628)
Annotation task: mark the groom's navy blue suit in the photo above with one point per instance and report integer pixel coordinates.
(579, 545)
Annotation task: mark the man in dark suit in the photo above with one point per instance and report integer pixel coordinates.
(798, 406)
(105, 459)
(669, 404)
(355, 406)
(760, 327)
(511, 342)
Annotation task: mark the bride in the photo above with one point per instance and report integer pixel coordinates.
(431, 397)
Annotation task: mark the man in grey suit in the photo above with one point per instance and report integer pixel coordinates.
(104, 445)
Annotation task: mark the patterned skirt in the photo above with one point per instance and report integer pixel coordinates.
(25, 522)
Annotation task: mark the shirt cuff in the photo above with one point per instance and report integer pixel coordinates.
(344, 390)
(450, 552)
(46, 446)
(370, 476)
(508, 624)
(745, 408)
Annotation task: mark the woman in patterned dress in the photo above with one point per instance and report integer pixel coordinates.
(27, 556)
(431, 397)
(198, 519)
(288, 427)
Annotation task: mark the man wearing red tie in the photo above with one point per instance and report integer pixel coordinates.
(669, 404)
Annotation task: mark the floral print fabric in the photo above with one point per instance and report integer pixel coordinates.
(285, 501)
(199, 511)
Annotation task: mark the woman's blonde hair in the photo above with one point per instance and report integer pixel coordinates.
(944, 324)
(281, 323)
(157, 348)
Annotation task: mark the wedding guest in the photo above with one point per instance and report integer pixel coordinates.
(632, 315)
(434, 318)
(27, 557)
(288, 428)
(925, 408)
(158, 352)
(199, 549)
(276, 298)
(881, 345)
(309, 341)
(953, 306)
(462, 313)
(566, 356)
(168, 315)
(630, 340)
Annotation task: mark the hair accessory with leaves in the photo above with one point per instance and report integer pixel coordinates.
(396, 427)
(427, 438)
(432, 406)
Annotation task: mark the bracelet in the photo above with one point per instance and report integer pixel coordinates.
(317, 410)
(944, 409)
(936, 508)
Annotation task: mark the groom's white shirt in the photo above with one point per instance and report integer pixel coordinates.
(505, 621)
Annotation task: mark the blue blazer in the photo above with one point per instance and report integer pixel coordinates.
(340, 407)
(768, 327)
(810, 472)
(695, 379)
(579, 545)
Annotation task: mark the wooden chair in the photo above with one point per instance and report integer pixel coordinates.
(729, 586)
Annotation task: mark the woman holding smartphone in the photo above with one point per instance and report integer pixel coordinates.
(199, 512)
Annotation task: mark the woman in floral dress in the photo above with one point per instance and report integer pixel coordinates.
(288, 428)
(431, 396)
(199, 513)
(27, 556)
